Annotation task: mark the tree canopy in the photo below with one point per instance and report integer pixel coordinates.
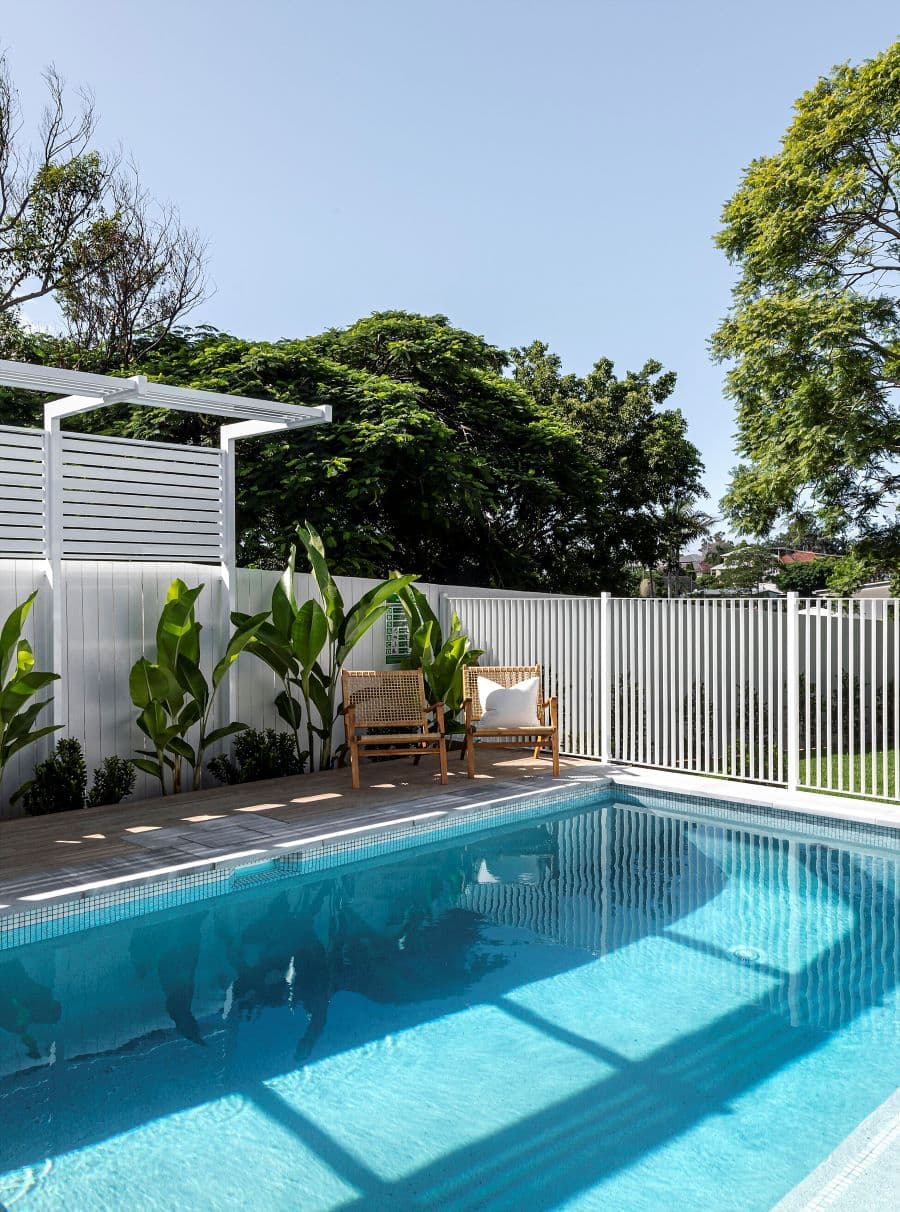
(437, 461)
(814, 332)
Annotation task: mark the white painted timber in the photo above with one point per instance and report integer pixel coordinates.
(21, 492)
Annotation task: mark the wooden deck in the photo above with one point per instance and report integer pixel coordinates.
(58, 854)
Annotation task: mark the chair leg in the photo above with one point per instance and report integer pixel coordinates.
(555, 751)
(354, 765)
(470, 755)
(442, 754)
(537, 749)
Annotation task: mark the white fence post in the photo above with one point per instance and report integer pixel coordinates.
(605, 686)
(792, 731)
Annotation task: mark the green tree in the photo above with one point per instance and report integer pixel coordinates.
(814, 332)
(436, 458)
(75, 226)
(746, 568)
(807, 578)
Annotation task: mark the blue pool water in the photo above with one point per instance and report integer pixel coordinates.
(612, 1009)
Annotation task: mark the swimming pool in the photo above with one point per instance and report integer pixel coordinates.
(619, 1006)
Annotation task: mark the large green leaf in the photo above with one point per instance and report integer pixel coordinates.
(177, 632)
(148, 682)
(284, 602)
(12, 631)
(331, 595)
(309, 633)
(236, 645)
(8, 749)
(368, 610)
(289, 709)
(219, 734)
(19, 690)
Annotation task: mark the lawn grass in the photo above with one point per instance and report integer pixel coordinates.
(867, 772)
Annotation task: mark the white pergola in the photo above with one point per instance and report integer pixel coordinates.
(78, 392)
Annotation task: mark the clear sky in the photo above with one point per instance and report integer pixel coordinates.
(530, 168)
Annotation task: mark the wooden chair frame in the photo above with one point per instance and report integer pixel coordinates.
(390, 699)
(529, 738)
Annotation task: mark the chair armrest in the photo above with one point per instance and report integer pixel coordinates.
(349, 718)
(553, 704)
(438, 710)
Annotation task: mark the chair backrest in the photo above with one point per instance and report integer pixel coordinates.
(395, 696)
(504, 675)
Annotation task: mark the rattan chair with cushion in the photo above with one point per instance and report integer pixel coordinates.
(530, 732)
(387, 715)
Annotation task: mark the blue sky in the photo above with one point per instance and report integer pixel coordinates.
(530, 168)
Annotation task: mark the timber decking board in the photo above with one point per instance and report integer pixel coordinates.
(39, 854)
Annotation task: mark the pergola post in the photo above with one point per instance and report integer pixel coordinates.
(53, 554)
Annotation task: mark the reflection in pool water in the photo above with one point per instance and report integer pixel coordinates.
(581, 1011)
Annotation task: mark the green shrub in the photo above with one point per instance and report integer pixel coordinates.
(59, 783)
(258, 754)
(113, 782)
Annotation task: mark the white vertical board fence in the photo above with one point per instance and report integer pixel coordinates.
(109, 614)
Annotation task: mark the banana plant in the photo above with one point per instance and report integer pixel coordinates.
(306, 645)
(173, 695)
(20, 682)
(441, 660)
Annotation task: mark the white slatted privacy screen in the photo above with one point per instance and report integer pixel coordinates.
(128, 500)
(120, 499)
(21, 492)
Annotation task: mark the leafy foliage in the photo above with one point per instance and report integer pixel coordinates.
(19, 683)
(257, 754)
(59, 783)
(441, 660)
(435, 458)
(113, 782)
(808, 578)
(814, 333)
(173, 695)
(306, 645)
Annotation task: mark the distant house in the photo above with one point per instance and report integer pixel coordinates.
(799, 557)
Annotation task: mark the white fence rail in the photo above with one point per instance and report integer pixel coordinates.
(796, 692)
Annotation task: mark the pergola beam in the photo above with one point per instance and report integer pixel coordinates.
(97, 391)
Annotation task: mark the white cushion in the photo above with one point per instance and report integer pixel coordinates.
(508, 706)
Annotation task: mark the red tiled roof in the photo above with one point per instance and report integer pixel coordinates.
(799, 557)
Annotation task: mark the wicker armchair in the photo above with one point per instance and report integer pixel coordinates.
(386, 702)
(535, 738)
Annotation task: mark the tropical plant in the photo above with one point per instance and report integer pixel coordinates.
(173, 695)
(19, 686)
(441, 660)
(59, 783)
(306, 645)
(257, 754)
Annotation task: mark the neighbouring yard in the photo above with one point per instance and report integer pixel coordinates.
(873, 772)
